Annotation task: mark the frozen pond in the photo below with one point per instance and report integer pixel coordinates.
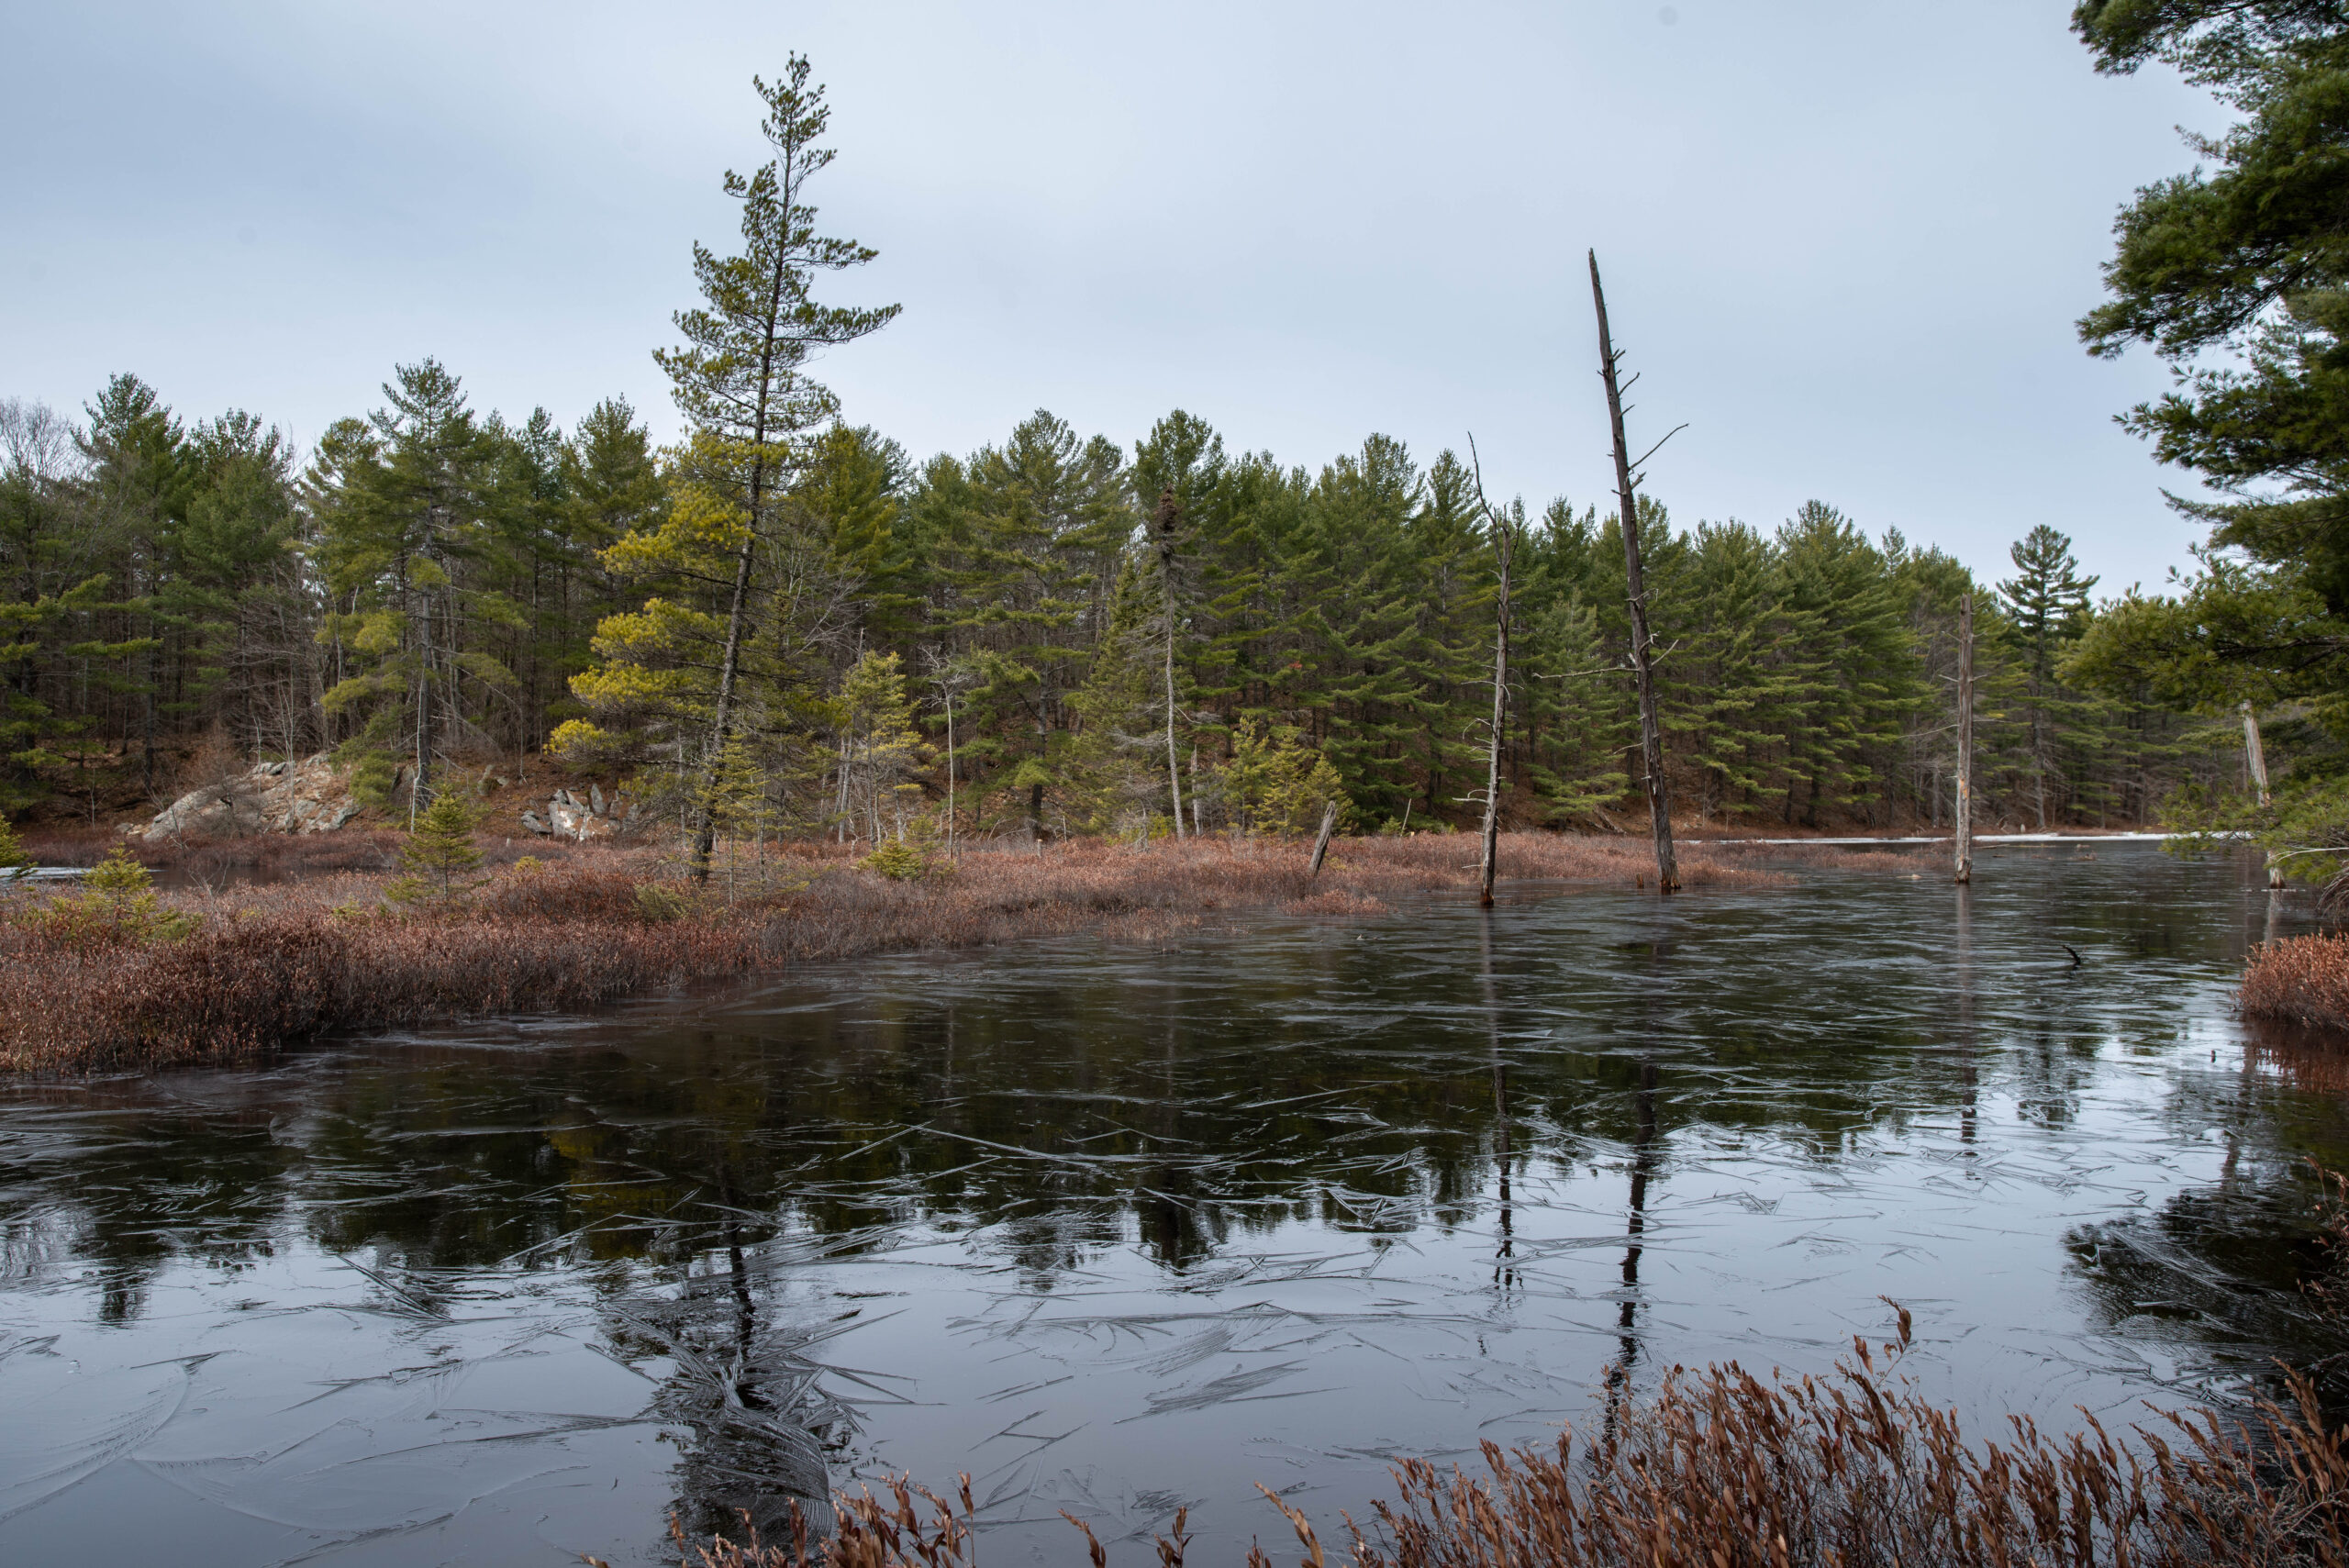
(1117, 1230)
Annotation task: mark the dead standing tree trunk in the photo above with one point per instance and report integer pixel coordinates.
(1667, 871)
(1964, 830)
(1321, 840)
(1504, 542)
(1168, 519)
(2254, 758)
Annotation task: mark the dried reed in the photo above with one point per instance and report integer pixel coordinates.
(1723, 1469)
(2301, 980)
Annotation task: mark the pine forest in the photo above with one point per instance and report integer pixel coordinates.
(786, 624)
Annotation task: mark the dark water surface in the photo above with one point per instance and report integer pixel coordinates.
(1117, 1230)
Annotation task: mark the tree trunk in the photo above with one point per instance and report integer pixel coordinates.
(721, 721)
(1963, 815)
(415, 786)
(1321, 843)
(2255, 755)
(1667, 872)
(1500, 718)
(2254, 758)
(147, 721)
(1170, 513)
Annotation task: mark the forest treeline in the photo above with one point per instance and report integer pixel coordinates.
(781, 622)
(513, 585)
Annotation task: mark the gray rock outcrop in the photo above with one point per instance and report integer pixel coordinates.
(568, 817)
(307, 796)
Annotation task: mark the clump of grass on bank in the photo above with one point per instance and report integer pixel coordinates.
(1723, 1469)
(2301, 980)
(218, 971)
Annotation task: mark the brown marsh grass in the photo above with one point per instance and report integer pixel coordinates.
(1725, 1469)
(2301, 980)
(272, 962)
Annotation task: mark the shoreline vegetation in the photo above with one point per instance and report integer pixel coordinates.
(257, 943)
(1726, 1469)
(2302, 981)
(124, 976)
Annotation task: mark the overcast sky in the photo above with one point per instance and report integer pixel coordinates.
(1845, 240)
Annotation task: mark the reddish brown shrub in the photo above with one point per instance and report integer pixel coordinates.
(2301, 980)
(1723, 1469)
(275, 963)
(245, 984)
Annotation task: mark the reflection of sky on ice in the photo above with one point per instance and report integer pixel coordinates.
(1121, 1231)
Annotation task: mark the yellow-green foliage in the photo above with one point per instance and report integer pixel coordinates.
(372, 774)
(118, 903)
(880, 747)
(899, 862)
(736, 792)
(651, 676)
(1275, 783)
(657, 903)
(13, 858)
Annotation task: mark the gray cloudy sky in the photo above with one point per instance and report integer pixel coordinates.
(1844, 240)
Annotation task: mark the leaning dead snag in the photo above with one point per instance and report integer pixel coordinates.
(1322, 841)
(1667, 873)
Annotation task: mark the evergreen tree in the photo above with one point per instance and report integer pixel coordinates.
(880, 747)
(1277, 782)
(404, 524)
(1112, 770)
(439, 853)
(117, 904)
(53, 582)
(1181, 464)
(1028, 538)
(2236, 275)
(137, 490)
(1351, 681)
(1928, 584)
(742, 379)
(1576, 714)
(1449, 586)
(244, 598)
(1852, 657)
(1728, 691)
(738, 803)
(2047, 608)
